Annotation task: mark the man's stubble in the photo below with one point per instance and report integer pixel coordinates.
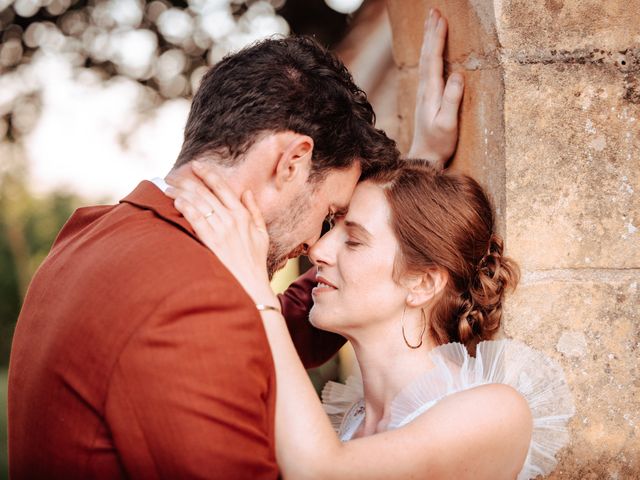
(282, 232)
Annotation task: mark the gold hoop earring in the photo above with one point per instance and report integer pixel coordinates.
(424, 327)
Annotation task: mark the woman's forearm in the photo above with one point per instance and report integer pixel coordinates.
(451, 440)
(306, 444)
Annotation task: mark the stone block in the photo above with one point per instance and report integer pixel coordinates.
(407, 90)
(480, 151)
(567, 25)
(481, 146)
(590, 324)
(549, 125)
(572, 166)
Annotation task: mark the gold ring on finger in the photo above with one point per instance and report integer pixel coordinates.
(209, 214)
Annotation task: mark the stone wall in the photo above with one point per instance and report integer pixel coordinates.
(551, 126)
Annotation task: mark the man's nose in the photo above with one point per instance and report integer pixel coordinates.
(309, 244)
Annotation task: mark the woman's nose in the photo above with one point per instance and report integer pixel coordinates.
(319, 252)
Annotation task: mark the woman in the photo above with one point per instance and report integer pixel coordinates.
(414, 265)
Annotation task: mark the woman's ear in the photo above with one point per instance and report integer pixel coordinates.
(294, 162)
(423, 288)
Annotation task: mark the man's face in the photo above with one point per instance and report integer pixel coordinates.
(298, 225)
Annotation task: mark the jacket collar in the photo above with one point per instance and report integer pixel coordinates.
(149, 197)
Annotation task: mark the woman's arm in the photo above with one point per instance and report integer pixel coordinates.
(479, 433)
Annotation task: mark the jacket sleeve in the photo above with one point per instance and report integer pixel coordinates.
(192, 393)
(314, 346)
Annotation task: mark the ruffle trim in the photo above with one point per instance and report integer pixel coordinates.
(339, 398)
(538, 378)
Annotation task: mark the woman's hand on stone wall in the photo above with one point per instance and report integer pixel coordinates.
(436, 117)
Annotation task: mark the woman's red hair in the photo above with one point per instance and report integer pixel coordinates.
(445, 220)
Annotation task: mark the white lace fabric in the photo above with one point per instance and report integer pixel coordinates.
(538, 378)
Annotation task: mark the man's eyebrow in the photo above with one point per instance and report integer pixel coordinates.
(359, 228)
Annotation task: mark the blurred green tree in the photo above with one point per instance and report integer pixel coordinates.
(28, 226)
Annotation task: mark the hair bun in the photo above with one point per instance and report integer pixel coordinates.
(495, 274)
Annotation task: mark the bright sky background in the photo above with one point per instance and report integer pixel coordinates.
(76, 142)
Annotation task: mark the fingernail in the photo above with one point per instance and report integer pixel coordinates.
(431, 12)
(456, 78)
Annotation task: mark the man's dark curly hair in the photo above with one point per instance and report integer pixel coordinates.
(285, 84)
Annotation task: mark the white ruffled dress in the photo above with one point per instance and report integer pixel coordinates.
(538, 378)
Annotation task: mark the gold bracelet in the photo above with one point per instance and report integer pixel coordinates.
(263, 308)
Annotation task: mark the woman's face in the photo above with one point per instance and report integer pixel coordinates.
(355, 261)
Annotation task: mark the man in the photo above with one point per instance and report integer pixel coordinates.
(137, 354)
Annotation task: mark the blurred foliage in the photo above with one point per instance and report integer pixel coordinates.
(28, 226)
(164, 45)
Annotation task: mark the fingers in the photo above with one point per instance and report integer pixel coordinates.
(200, 225)
(216, 184)
(181, 184)
(431, 68)
(430, 44)
(447, 117)
(205, 208)
(433, 42)
(256, 215)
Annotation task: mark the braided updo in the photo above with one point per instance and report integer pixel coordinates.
(445, 220)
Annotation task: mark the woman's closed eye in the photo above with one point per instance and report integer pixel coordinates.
(352, 243)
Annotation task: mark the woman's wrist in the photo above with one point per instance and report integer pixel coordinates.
(266, 300)
(268, 307)
(417, 151)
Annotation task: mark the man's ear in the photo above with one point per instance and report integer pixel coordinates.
(294, 162)
(423, 288)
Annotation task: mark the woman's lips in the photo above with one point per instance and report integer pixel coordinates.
(323, 286)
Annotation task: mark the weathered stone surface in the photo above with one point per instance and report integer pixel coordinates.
(480, 150)
(473, 40)
(550, 124)
(557, 25)
(592, 328)
(407, 90)
(572, 167)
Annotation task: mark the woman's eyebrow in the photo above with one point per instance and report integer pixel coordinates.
(359, 228)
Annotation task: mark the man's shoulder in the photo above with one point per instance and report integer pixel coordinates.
(127, 248)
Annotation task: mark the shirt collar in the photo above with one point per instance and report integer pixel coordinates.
(149, 195)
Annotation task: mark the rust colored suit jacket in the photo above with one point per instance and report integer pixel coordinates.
(137, 354)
